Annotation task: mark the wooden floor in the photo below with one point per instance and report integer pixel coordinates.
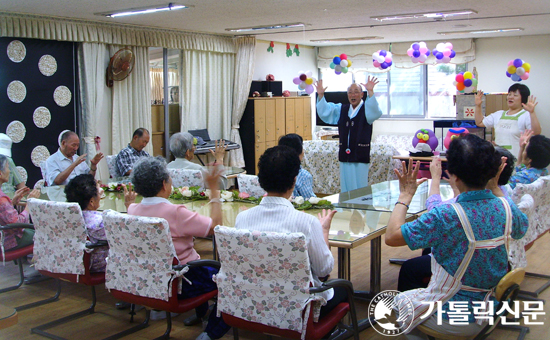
(108, 321)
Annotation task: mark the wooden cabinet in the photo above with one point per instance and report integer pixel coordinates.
(157, 123)
(265, 120)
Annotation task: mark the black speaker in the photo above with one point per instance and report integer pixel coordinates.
(255, 86)
(275, 87)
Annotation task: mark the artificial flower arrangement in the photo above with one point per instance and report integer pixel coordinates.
(189, 193)
(113, 187)
(312, 203)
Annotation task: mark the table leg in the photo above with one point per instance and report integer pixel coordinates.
(375, 270)
(200, 159)
(344, 271)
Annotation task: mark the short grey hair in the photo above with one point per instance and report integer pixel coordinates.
(148, 175)
(3, 162)
(358, 85)
(181, 142)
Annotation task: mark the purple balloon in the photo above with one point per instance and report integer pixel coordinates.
(337, 72)
(416, 53)
(453, 54)
(508, 74)
(415, 46)
(427, 53)
(434, 51)
(518, 62)
(390, 63)
(384, 65)
(296, 81)
(382, 53)
(439, 55)
(467, 82)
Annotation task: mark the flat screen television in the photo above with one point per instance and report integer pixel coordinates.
(332, 97)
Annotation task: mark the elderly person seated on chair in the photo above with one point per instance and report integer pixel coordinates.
(278, 168)
(129, 155)
(15, 182)
(65, 164)
(304, 180)
(467, 238)
(152, 180)
(14, 238)
(85, 190)
(533, 158)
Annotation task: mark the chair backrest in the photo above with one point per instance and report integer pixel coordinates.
(516, 249)
(540, 191)
(186, 178)
(59, 237)
(141, 254)
(264, 277)
(249, 184)
(111, 165)
(43, 172)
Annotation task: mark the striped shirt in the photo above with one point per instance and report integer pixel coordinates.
(277, 214)
(304, 185)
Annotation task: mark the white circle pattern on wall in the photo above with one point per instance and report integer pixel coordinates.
(62, 96)
(47, 65)
(17, 91)
(16, 51)
(39, 154)
(22, 173)
(39, 184)
(16, 131)
(41, 117)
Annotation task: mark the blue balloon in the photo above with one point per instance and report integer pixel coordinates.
(515, 77)
(415, 46)
(453, 53)
(382, 53)
(508, 74)
(518, 62)
(416, 53)
(336, 60)
(427, 53)
(384, 65)
(390, 63)
(439, 55)
(467, 82)
(434, 51)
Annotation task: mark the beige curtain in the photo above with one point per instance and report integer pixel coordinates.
(64, 29)
(244, 71)
(157, 85)
(131, 104)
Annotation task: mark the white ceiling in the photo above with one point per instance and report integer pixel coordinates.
(324, 19)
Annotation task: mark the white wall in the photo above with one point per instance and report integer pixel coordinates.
(492, 57)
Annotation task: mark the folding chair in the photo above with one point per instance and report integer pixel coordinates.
(249, 184)
(186, 178)
(15, 255)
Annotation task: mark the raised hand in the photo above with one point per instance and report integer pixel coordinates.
(435, 168)
(525, 137)
(80, 159)
(129, 195)
(212, 177)
(531, 104)
(371, 83)
(407, 178)
(98, 156)
(220, 151)
(320, 88)
(325, 217)
(479, 98)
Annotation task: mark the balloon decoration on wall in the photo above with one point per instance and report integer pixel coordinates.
(425, 136)
(382, 59)
(305, 81)
(465, 82)
(418, 52)
(340, 64)
(443, 53)
(518, 70)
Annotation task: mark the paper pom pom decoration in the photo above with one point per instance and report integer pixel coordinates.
(443, 53)
(305, 81)
(418, 52)
(465, 82)
(286, 93)
(518, 70)
(382, 59)
(270, 77)
(425, 136)
(452, 134)
(340, 64)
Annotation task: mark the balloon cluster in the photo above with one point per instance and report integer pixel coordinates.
(518, 70)
(340, 64)
(382, 59)
(305, 81)
(418, 52)
(465, 82)
(443, 53)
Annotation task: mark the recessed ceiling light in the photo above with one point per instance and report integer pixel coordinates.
(483, 31)
(268, 27)
(435, 15)
(143, 10)
(346, 39)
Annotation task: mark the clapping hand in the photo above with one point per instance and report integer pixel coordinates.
(19, 194)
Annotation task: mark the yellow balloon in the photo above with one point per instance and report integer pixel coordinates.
(468, 75)
(309, 81)
(526, 67)
(349, 63)
(511, 69)
(336, 55)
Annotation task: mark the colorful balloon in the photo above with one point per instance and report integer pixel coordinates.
(305, 81)
(518, 70)
(339, 63)
(418, 52)
(382, 59)
(465, 82)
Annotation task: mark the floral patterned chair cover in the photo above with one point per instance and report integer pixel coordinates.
(516, 248)
(264, 277)
(321, 160)
(540, 191)
(382, 149)
(186, 178)
(250, 185)
(58, 225)
(111, 165)
(140, 255)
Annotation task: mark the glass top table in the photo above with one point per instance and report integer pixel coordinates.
(230, 172)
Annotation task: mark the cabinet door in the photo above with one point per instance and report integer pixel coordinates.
(289, 116)
(258, 151)
(280, 126)
(299, 116)
(307, 118)
(270, 118)
(259, 121)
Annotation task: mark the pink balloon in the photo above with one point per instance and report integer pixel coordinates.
(446, 52)
(415, 60)
(296, 81)
(422, 58)
(309, 89)
(410, 52)
(423, 50)
(510, 63)
(525, 76)
(376, 64)
(446, 59)
(388, 60)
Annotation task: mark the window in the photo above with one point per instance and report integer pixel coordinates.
(419, 92)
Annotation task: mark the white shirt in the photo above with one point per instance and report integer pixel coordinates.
(182, 163)
(277, 214)
(57, 163)
(511, 136)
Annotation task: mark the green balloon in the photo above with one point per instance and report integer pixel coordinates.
(344, 70)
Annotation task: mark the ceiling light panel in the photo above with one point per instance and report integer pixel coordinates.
(268, 27)
(483, 31)
(143, 10)
(429, 15)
